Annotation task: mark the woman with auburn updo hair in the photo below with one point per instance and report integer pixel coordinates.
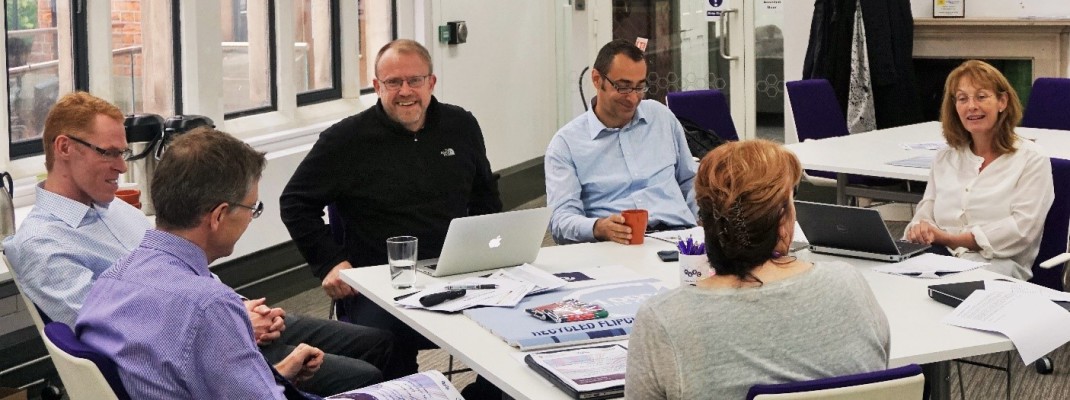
(990, 190)
(765, 317)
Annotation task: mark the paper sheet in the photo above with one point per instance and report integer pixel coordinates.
(508, 294)
(675, 236)
(587, 369)
(1033, 323)
(914, 162)
(527, 273)
(923, 145)
(1024, 287)
(929, 265)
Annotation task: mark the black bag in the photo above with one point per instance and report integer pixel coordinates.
(699, 140)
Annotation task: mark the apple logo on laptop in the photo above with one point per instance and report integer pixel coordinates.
(494, 243)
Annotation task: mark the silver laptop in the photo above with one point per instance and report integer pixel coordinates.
(851, 231)
(489, 241)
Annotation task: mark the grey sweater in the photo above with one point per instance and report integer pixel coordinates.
(698, 343)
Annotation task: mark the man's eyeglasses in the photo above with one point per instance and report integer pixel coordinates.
(413, 81)
(111, 154)
(626, 89)
(257, 208)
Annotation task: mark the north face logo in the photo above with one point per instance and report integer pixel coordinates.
(448, 152)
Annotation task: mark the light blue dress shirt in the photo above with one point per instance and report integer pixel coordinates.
(593, 172)
(63, 245)
(174, 331)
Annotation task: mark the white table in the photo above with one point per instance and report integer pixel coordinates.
(917, 335)
(869, 153)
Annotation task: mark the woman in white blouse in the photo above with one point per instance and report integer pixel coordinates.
(990, 190)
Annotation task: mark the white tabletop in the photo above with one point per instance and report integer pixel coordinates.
(869, 153)
(917, 334)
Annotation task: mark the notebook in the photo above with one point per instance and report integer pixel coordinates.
(852, 232)
(489, 241)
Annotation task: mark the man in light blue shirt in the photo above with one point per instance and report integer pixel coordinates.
(624, 153)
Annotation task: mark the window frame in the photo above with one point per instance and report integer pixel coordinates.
(335, 91)
(80, 47)
(273, 80)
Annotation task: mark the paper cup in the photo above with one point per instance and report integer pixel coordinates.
(694, 268)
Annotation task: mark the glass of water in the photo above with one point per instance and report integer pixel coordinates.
(401, 252)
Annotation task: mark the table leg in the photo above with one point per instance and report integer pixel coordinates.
(841, 188)
(938, 377)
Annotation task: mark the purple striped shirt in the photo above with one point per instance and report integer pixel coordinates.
(173, 330)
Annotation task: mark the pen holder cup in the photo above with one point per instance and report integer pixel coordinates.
(694, 268)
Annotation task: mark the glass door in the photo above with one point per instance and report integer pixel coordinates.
(735, 46)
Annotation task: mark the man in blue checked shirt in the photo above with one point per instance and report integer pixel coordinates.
(78, 229)
(625, 153)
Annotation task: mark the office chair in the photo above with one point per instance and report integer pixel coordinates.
(1047, 106)
(904, 382)
(86, 373)
(39, 318)
(708, 108)
(1053, 243)
(818, 116)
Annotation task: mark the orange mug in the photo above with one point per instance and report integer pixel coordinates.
(636, 219)
(131, 196)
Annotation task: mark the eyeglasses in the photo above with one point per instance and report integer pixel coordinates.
(111, 154)
(257, 208)
(626, 89)
(979, 98)
(413, 81)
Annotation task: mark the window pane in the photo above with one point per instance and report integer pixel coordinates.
(35, 76)
(246, 55)
(142, 63)
(312, 46)
(376, 30)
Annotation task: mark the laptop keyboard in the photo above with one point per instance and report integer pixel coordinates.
(906, 247)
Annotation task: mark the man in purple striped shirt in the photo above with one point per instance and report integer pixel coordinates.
(174, 330)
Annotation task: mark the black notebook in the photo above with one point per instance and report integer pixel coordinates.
(603, 393)
(953, 294)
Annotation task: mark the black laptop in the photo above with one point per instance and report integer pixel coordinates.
(953, 294)
(852, 232)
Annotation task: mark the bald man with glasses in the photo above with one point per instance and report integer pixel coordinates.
(406, 166)
(624, 153)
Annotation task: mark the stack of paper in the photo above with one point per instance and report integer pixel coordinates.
(507, 294)
(585, 373)
(914, 162)
(1032, 322)
(929, 265)
(425, 385)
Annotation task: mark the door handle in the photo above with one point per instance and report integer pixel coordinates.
(724, 33)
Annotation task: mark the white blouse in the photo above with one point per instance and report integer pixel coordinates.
(1004, 206)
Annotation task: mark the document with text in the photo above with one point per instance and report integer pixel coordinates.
(1033, 323)
(929, 265)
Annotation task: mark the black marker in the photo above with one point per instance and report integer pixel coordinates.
(435, 299)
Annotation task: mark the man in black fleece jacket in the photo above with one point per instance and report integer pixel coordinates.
(407, 166)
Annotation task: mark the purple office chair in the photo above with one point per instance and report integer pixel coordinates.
(1056, 228)
(707, 108)
(905, 382)
(818, 116)
(78, 377)
(1049, 104)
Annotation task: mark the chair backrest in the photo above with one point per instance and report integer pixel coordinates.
(39, 318)
(708, 108)
(815, 108)
(334, 221)
(1056, 228)
(905, 382)
(1047, 106)
(86, 373)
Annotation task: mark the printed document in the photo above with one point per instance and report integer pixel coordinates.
(429, 385)
(1025, 287)
(586, 369)
(507, 294)
(1033, 323)
(929, 265)
(527, 273)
